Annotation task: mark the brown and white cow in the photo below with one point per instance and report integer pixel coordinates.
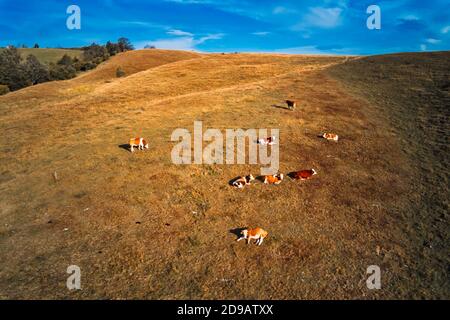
(330, 136)
(273, 179)
(241, 182)
(303, 174)
(291, 104)
(141, 143)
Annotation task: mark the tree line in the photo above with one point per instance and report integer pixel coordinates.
(17, 73)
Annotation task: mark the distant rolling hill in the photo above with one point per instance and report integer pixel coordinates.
(135, 61)
(47, 55)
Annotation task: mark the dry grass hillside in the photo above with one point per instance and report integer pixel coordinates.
(413, 91)
(141, 227)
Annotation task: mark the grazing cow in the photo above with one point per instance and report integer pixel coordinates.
(241, 182)
(256, 233)
(303, 174)
(141, 143)
(330, 136)
(291, 104)
(275, 179)
(268, 141)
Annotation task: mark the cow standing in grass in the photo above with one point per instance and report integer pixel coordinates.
(291, 104)
(141, 143)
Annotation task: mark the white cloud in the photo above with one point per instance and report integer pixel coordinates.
(144, 24)
(179, 43)
(314, 51)
(445, 29)
(300, 50)
(283, 10)
(433, 41)
(411, 17)
(184, 43)
(261, 33)
(320, 17)
(279, 10)
(178, 33)
(324, 17)
(216, 36)
(423, 47)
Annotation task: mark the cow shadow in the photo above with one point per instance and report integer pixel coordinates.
(237, 232)
(260, 178)
(125, 147)
(282, 107)
(292, 175)
(233, 181)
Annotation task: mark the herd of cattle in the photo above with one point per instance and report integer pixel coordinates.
(256, 233)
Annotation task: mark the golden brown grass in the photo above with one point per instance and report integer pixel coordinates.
(142, 227)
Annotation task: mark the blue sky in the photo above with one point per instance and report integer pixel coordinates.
(290, 26)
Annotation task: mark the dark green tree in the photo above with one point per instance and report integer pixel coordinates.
(12, 72)
(36, 72)
(124, 44)
(112, 48)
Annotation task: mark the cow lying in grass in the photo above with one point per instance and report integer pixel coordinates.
(275, 179)
(330, 136)
(241, 182)
(141, 143)
(303, 174)
(268, 141)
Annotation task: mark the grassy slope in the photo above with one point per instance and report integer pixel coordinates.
(46, 55)
(413, 91)
(135, 61)
(323, 233)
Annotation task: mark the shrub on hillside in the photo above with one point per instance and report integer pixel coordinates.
(120, 73)
(88, 66)
(99, 60)
(95, 51)
(77, 64)
(61, 72)
(65, 60)
(3, 89)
